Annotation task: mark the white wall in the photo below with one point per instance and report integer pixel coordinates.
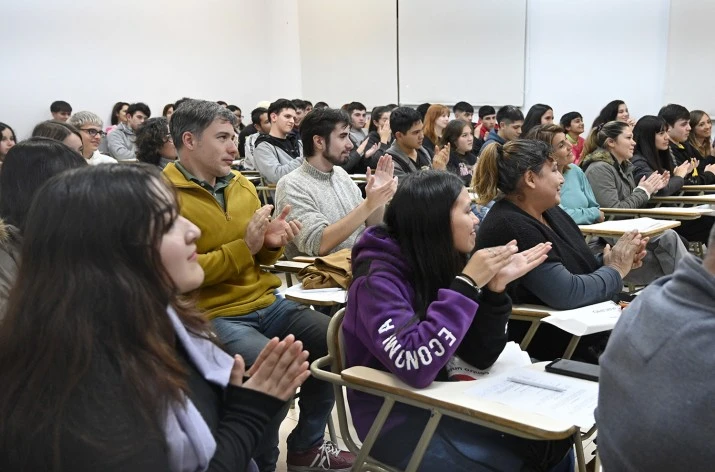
(93, 54)
(583, 54)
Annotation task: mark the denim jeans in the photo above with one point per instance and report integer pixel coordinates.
(248, 334)
(461, 446)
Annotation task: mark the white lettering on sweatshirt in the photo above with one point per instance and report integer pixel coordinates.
(413, 359)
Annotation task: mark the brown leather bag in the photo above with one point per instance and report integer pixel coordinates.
(329, 271)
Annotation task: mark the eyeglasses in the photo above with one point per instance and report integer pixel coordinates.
(94, 132)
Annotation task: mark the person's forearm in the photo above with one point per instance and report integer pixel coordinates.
(558, 288)
(341, 230)
(376, 216)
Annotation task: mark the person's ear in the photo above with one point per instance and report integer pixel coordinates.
(188, 140)
(318, 142)
(610, 142)
(530, 179)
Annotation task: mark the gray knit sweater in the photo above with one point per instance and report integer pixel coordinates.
(318, 199)
(656, 404)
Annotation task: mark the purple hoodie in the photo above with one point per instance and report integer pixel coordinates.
(380, 329)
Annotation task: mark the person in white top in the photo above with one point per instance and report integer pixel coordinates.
(262, 123)
(90, 130)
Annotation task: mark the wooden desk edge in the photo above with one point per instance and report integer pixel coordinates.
(560, 430)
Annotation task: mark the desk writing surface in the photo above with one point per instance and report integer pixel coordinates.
(674, 213)
(310, 259)
(617, 228)
(699, 188)
(292, 267)
(452, 396)
(685, 199)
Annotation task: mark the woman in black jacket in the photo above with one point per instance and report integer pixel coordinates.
(103, 366)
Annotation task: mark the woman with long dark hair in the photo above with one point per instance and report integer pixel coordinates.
(615, 110)
(28, 166)
(538, 114)
(416, 289)
(7, 140)
(104, 367)
(459, 136)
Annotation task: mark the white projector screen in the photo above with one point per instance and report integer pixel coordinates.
(348, 51)
(453, 50)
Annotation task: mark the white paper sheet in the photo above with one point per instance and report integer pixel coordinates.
(575, 404)
(511, 358)
(337, 295)
(586, 320)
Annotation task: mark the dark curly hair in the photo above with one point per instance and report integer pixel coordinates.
(150, 138)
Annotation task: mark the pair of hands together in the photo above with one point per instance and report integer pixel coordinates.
(382, 184)
(495, 267)
(627, 254)
(281, 367)
(262, 231)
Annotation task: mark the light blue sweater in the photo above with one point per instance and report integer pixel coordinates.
(577, 198)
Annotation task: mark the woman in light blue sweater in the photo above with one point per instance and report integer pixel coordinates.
(577, 198)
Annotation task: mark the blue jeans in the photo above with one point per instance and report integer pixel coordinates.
(248, 334)
(461, 446)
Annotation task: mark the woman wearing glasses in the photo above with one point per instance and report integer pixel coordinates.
(90, 130)
(154, 144)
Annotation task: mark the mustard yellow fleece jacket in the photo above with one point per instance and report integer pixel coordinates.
(234, 283)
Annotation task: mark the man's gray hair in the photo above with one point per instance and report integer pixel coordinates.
(195, 116)
(84, 118)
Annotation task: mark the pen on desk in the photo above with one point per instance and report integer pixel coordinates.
(531, 383)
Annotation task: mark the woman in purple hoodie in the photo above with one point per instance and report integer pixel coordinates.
(416, 300)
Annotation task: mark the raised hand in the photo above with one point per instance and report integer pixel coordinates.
(385, 132)
(519, 265)
(381, 185)
(441, 157)
(281, 367)
(710, 168)
(361, 147)
(256, 229)
(280, 232)
(485, 263)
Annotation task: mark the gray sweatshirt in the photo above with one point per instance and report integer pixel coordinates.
(317, 199)
(656, 404)
(121, 143)
(404, 164)
(273, 162)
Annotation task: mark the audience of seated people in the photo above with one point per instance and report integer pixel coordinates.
(237, 236)
(421, 271)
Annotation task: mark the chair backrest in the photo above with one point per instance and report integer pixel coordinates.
(335, 341)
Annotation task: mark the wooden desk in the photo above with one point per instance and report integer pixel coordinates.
(309, 259)
(290, 267)
(616, 229)
(451, 399)
(319, 297)
(685, 200)
(533, 314)
(661, 213)
(700, 189)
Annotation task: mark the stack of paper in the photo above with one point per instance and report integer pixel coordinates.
(586, 320)
(564, 398)
(641, 224)
(512, 357)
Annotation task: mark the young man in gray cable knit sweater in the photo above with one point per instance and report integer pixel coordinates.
(323, 196)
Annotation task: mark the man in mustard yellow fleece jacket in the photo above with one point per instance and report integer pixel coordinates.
(237, 236)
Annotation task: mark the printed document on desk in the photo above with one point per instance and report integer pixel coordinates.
(641, 224)
(337, 295)
(586, 320)
(511, 358)
(575, 403)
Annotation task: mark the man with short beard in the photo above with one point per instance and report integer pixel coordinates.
(323, 196)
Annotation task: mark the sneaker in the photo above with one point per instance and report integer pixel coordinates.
(325, 456)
